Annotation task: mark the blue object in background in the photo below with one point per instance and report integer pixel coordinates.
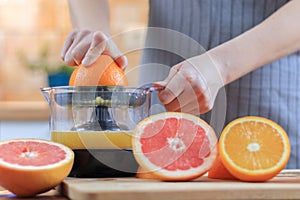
(58, 79)
(61, 77)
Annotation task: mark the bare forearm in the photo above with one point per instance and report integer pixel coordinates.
(276, 37)
(91, 14)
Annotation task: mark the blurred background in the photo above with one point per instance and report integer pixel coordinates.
(32, 33)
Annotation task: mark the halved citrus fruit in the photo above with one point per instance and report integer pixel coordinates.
(219, 171)
(145, 174)
(174, 146)
(254, 148)
(32, 166)
(103, 72)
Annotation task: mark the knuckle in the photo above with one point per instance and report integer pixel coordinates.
(192, 79)
(99, 36)
(73, 33)
(79, 35)
(84, 32)
(71, 36)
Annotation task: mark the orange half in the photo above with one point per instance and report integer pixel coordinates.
(254, 148)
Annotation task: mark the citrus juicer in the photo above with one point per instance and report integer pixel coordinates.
(97, 122)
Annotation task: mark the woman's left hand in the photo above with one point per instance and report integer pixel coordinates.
(192, 85)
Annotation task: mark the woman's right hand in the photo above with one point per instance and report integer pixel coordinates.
(85, 46)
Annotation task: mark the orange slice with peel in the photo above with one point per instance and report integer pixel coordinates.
(219, 171)
(174, 146)
(254, 148)
(33, 166)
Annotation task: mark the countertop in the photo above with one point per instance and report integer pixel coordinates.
(24, 110)
(52, 194)
(285, 186)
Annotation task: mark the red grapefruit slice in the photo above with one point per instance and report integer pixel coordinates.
(175, 146)
(32, 166)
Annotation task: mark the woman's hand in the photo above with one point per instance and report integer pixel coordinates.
(84, 47)
(192, 85)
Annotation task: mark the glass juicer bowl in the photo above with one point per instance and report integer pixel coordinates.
(97, 122)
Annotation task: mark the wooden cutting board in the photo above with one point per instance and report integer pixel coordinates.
(285, 186)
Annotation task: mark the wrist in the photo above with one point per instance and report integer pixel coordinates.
(220, 67)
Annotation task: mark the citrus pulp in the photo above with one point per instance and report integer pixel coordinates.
(32, 166)
(174, 146)
(254, 148)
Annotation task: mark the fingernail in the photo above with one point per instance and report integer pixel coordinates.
(68, 60)
(85, 62)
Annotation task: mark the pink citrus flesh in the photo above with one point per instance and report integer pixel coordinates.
(32, 166)
(175, 146)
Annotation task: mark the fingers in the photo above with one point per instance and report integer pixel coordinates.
(194, 104)
(113, 51)
(192, 100)
(97, 47)
(84, 47)
(68, 43)
(186, 90)
(174, 85)
(75, 47)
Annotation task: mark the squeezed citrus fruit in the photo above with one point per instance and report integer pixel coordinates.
(254, 148)
(32, 166)
(174, 146)
(104, 72)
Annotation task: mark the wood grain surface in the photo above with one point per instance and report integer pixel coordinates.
(285, 186)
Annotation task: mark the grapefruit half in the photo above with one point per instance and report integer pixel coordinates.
(175, 146)
(32, 166)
